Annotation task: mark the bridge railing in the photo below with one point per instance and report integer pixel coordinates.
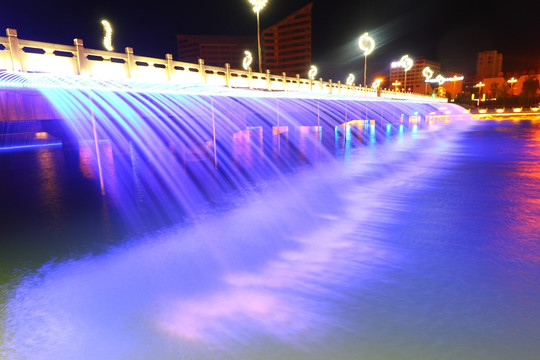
(34, 56)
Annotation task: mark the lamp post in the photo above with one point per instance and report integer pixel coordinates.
(396, 84)
(512, 81)
(367, 45)
(407, 64)
(350, 79)
(312, 72)
(258, 5)
(479, 86)
(454, 79)
(428, 73)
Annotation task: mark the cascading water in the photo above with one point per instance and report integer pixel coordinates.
(267, 227)
(164, 151)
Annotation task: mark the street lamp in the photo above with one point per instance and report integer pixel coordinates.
(246, 63)
(107, 38)
(367, 45)
(479, 86)
(350, 79)
(428, 73)
(396, 84)
(312, 72)
(258, 5)
(512, 81)
(377, 83)
(407, 64)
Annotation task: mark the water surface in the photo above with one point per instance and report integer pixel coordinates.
(419, 245)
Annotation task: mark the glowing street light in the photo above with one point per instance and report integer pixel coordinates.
(107, 39)
(428, 73)
(479, 85)
(440, 79)
(312, 72)
(367, 45)
(248, 59)
(377, 83)
(350, 79)
(512, 81)
(396, 85)
(258, 5)
(406, 64)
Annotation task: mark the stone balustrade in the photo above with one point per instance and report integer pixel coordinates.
(34, 56)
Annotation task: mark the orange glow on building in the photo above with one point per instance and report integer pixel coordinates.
(287, 44)
(215, 50)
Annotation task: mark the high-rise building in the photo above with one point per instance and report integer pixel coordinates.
(287, 44)
(488, 64)
(415, 77)
(215, 50)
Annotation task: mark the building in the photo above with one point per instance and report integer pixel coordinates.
(287, 44)
(488, 64)
(415, 80)
(215, 50)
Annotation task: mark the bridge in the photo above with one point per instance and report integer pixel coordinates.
(274, 104)
(33, 56)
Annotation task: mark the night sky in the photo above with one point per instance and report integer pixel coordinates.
(451, 32)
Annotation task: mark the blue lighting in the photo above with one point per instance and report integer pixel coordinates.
(244, 232)
(30, 146)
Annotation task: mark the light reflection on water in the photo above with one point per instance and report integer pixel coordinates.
(425, 247)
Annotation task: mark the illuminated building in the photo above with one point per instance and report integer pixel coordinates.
(215, 50)
(415, 78)
(488, 64)
(287, 44)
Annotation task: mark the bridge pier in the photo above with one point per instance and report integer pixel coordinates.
(70, 142)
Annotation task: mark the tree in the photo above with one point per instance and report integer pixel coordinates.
(501, 92)
(530, 89)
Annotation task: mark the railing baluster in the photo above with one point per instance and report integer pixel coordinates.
(16, 61)
(202, 71)
(228, 75)
(14, 51)
(81, 57)
(170, 66)
(131, 66)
